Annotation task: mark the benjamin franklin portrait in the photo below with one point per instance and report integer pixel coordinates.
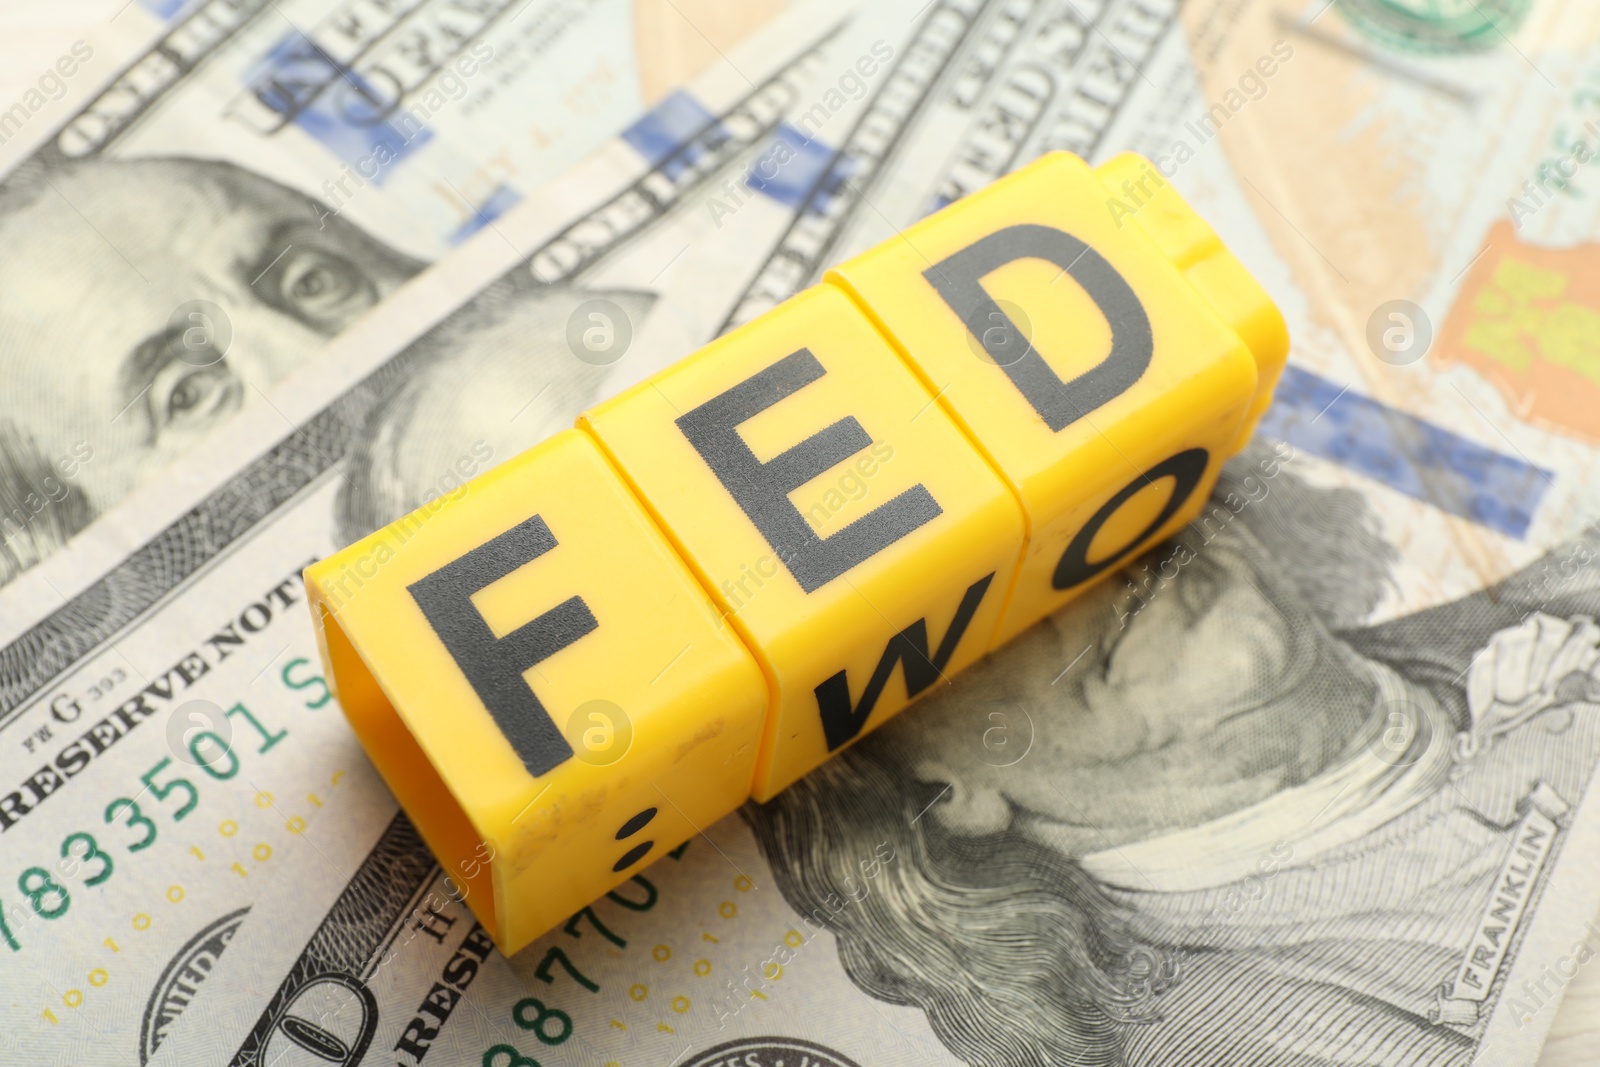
(1208, 814)
(103, 385)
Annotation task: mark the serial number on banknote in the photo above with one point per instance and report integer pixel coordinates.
(165, 795)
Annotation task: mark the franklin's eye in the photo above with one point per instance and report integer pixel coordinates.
(184, 397)
(320, 288)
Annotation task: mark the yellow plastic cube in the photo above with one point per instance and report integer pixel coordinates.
(542, 683)
(1195, 249)
(852, 534)
(741, 566)
(1095, 341)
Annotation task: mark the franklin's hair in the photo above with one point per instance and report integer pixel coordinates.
(29, 532)
(519, 319)
(39, 510)
(1325, 541)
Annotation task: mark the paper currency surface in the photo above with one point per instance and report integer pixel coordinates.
(202, 194)
(1311, 784)
(109, 974)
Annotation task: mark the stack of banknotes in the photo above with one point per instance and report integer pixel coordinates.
(1315, 783)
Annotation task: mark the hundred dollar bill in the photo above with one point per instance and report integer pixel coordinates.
(1311, 784)
(163, 764)
(196, 198)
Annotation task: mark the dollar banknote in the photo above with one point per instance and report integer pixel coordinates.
(77, 992)
(1309, 784)
(229, 184)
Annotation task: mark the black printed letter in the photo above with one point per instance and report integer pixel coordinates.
(841, 722)
(494, 665)
(1185, 470)
(958, 278)
(762, 489)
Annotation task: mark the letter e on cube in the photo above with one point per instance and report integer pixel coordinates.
(878, 597)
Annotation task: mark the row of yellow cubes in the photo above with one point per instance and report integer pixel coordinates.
(732, 570)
